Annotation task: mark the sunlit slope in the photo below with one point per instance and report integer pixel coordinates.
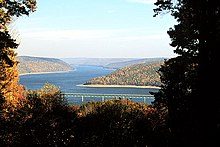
(144, 74)
(38, 64)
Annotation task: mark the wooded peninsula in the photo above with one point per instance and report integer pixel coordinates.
(144, 74)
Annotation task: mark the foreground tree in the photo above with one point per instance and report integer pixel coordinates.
(196, 39)
(11, 92)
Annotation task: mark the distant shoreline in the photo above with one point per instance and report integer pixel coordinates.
(35, 73)
(118, 86)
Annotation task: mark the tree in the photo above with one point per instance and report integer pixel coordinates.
(196, 41)
(10, 93)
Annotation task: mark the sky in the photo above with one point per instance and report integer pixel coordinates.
(94, 28)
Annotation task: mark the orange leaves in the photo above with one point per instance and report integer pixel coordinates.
(14, 100)
(13, 95)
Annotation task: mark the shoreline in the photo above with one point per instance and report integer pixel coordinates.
(118, 86)
(35, 73)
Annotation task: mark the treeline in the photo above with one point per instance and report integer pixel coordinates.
(38, 64)
(45, 119)
(138, 74)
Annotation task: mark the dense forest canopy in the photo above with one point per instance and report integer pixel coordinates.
(195, 39)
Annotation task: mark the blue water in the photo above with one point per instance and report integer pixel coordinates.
(68, 81)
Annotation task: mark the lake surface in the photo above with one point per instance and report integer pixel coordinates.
(68, 81)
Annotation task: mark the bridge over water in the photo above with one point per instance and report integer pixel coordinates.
(79, 98)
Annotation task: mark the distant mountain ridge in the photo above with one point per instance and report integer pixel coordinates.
(118, 65)
(95, 61)
(115, 63)
(28, 64)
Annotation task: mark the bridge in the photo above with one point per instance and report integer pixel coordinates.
(78, 98)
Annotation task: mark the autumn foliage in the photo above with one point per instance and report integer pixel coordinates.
(12, 93)
(42, 117)
(119, 123)
(45, 119)
(144, 74)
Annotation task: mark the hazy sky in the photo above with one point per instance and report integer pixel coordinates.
(94, 28)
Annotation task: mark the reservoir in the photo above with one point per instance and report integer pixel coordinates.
(68, 81)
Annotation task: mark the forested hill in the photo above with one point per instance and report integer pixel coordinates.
(39, 64)
(144, 74)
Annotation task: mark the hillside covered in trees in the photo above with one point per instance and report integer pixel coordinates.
(144, 74)
(38, 64)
